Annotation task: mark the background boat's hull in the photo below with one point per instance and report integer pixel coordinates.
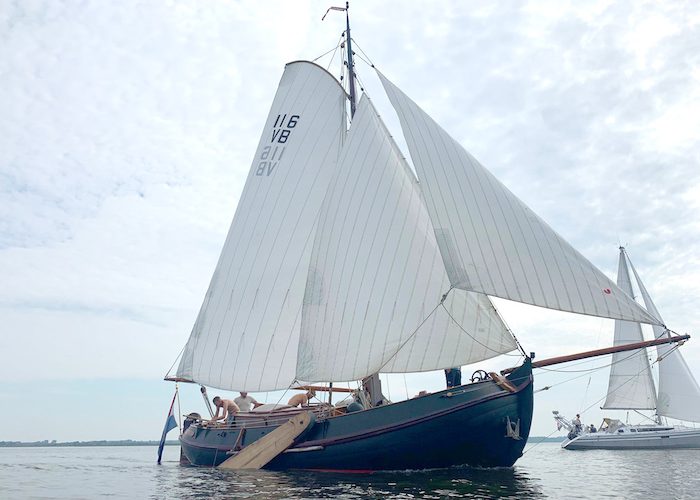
(466, 425)
(668, 439)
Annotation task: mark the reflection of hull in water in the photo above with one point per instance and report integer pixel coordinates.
(632, 438)
(464, 425)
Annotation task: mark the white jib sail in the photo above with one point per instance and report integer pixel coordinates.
(631, 384)
(246, 335)
(491, 241)
(679, 393)
(376, 274)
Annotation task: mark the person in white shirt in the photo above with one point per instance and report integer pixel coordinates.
(577, 423)
(245, 402)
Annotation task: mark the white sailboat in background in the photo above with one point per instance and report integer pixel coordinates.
(631, 387)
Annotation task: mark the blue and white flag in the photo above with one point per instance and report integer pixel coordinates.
(170, 424)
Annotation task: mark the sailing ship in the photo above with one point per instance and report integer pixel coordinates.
(342, 262)
(631, 387)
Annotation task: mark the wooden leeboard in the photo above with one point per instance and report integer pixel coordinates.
(262, 451)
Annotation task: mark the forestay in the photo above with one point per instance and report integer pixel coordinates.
(376, 274)
(679, 393)
(631, 384)
(490, 241)
(247, 331)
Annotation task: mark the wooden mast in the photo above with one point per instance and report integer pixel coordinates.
(601, 352)
(351, 67)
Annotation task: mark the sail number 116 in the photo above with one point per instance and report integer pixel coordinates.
(272, 154)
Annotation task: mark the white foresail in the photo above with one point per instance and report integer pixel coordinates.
(376, 274)
(491, 241)
(247, 331)
(679, 393)
(631, 384)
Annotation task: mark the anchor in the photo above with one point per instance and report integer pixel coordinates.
(513, 430)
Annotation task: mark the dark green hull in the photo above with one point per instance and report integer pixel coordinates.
(480, 424)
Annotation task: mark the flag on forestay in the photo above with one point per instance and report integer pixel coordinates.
(170, 424)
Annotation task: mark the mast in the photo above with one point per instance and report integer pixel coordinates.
(351, 67)
(372, 383)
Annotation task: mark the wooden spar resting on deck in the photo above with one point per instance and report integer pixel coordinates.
(262, 451)
(321, 388)
(602, 352)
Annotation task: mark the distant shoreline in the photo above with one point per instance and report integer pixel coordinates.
(56, 444)
(129, 442)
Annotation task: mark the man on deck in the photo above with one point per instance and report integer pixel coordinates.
(245, 402)
(227, 408)
(301, 399)
(453, 376)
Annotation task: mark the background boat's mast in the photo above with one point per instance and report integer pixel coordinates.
(351, 67)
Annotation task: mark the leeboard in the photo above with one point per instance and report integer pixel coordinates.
(262, 451)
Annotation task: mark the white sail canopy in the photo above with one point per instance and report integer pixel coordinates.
(376, 274)
(679, 393)
(247, 331)
(631, 385)
(490, 241)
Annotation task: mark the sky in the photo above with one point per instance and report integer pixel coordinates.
(127, 130)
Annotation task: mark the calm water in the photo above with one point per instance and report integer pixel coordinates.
(545, 471)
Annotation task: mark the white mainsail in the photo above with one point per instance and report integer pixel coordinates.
(490, 241)
(376, 274)
(679, 393)
(247, 331)
(631, 385)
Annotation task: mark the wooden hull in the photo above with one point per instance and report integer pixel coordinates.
(464, 425)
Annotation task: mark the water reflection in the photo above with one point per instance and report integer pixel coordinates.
(545, 471)
(462, 482)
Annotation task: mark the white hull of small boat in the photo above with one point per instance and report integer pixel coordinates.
(635, 439)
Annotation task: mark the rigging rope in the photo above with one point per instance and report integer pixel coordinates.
(334, 50)
(367, 60)
(410, 336)
(472, 337)
(179, 409)
(629, 380)
(176, 358)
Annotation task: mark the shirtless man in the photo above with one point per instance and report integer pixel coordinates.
(227, 407)
(301, 399)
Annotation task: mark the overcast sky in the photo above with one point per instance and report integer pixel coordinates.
(127, 130)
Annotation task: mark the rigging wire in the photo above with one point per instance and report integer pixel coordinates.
(586, 372)
(366, 58)
(540, 442)
(176, 359)
(179, 409)
(334, 49)
(389, 358)
(472, 337)
(630, 379)
(585, 393)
